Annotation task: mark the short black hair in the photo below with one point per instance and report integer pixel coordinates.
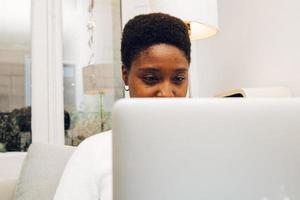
(146, 30)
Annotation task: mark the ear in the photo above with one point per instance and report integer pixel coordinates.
(125, 74)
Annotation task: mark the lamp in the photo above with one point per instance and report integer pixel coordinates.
(98, 80)
(201, 16)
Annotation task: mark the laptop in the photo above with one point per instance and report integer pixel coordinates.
(206, 149)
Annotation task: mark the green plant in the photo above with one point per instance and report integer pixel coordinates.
(85, 124)
(10, 133)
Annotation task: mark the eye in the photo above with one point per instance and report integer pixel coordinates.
(179, 79)
(150, 79)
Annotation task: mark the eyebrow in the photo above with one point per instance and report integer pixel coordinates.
(149, 69)
(181, 70)
(153, 69)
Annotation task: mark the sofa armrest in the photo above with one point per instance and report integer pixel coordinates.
(7, 189)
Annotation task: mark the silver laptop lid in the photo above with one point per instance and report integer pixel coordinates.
(206, 149)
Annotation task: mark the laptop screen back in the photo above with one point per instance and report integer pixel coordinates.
(206, 149)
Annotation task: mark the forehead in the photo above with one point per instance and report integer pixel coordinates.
(161, 56)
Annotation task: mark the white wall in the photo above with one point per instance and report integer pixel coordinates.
(258, 45)
(131, 8)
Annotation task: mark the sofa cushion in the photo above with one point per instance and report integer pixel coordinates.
(41, 171)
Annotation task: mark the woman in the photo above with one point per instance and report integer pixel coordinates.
(155, 52)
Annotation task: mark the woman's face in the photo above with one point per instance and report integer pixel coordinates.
(159, 71)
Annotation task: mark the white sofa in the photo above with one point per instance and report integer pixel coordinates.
(10, 167)
(7, 188)
(40, 173)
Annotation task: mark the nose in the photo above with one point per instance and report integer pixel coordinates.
(165, 90)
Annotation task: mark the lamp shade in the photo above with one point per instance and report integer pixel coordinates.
(98, 78)
(200, 15)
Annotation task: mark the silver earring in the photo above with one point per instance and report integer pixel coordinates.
(126, 87)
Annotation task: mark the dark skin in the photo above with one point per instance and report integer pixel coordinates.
(158, 71)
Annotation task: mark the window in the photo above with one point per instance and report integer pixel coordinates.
(15, 75)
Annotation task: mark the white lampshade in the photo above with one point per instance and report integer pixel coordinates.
(201, 15)
(98, 78)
